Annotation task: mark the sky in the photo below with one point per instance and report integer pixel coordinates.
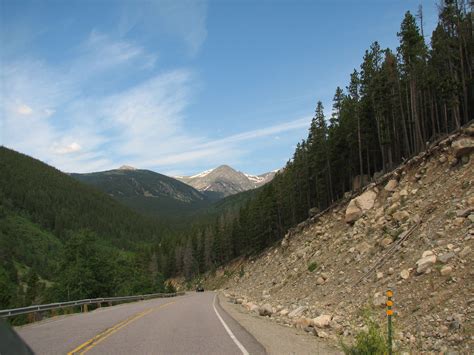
(179, 86)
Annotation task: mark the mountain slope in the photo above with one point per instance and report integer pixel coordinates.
(411, 231)
(146, 191)
(224, 181)
(61, 239)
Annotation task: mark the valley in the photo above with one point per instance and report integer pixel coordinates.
(374, 191)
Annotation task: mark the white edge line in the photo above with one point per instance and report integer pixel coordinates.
(232, 336)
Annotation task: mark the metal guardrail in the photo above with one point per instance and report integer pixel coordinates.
(5, 313)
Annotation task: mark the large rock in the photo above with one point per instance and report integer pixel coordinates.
(302, 322)
(322, 321)
(405, 274)
(424, 264)
(359, 205)
(401, 216)
(391, 185)
(366, 200)
(353, 213)
(297, 312)
(265, 310)
(444, 258)
(462, 147)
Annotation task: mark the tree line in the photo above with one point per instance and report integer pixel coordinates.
(395, 104)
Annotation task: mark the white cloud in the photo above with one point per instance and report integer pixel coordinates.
(24, 110)
(70, 148)
(99, 52)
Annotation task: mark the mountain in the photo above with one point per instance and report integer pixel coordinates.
(146, 191)
(224, 181)
(61, 239)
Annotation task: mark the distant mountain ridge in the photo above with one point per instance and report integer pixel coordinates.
(224, 181)
(146, 191)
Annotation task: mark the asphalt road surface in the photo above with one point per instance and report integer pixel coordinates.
(189, 324)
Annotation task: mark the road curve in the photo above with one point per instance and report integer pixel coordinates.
(190, 324)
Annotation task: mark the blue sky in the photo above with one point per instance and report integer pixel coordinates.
(179, 86)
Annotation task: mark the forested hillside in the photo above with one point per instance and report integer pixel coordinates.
(149, 193)
(60, 239)
(396, 103)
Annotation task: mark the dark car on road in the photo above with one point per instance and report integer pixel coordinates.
(200, 289)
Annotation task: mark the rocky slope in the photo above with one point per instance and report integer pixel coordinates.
(224, 181)
(412, 230)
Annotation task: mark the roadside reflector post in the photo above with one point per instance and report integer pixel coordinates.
(389, 319)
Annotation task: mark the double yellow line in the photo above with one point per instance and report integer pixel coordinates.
(89, 344)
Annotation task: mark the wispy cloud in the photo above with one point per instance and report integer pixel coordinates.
(184, 20)
(77, 116)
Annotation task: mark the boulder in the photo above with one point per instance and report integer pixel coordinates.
(322, 321)
(321, 334)
(359, 205)
(265, 310)
(386, 241)
(401, 216)
(444, 258)
(446, 270)
(391, 185)
(302, 322)
(319, 281)
(425, 263)
(465, 252)
(284, 312)
(462, 147)
(366, 200)
(379, 300)
(253, 308)
(404, 274)
(353, 213)
(465, 212)
(297, 312)
(363, 247)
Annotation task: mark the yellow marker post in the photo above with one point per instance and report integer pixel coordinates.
(389, 318)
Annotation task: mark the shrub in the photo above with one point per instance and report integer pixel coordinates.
(369, 342)
(312, 266)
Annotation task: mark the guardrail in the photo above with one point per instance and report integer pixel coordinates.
(5, 313)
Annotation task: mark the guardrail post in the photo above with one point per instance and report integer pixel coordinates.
(389, 319)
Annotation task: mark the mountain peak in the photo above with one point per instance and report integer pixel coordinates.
(127, 167)
(225, 180)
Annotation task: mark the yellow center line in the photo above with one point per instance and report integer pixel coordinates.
(89, 344)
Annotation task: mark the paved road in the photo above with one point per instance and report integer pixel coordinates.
(190, 324)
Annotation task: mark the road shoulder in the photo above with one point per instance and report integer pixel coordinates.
(277, 339)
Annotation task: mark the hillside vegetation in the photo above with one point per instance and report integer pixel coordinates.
(148, 193)
(394, 105)
(61, 240)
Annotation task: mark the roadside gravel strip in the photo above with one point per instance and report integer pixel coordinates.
(277, 339)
